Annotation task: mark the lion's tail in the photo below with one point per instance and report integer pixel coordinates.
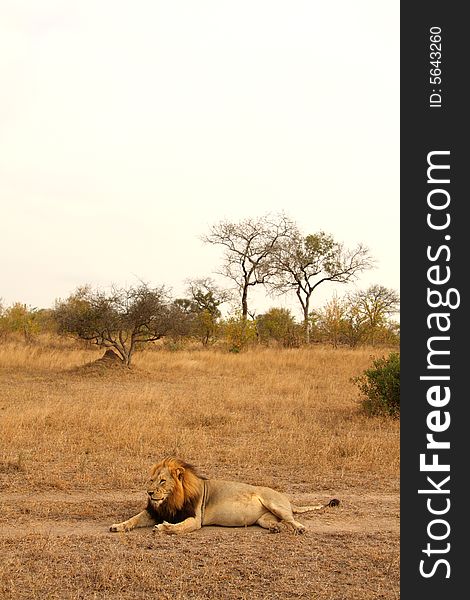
(303, 509)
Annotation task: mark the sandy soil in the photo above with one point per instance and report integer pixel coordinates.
(348, 552)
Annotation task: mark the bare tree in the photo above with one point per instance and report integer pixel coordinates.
(120, 319)
(249, 246)
(301, 264)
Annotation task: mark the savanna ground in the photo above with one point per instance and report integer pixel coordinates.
(77, 442)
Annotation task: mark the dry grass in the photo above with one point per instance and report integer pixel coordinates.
(284, 418)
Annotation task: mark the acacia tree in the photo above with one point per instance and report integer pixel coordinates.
(120, 319)
(375, 306)
(207, 295)
(249, 246)
(206, 298)
(301, 264)
(201, 309)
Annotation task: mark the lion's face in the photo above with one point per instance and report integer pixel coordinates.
(163, 483)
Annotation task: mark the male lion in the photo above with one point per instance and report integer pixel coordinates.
(180, 501)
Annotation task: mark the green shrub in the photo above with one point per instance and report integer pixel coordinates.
(381, 386)
(239, 333)
(278, 325)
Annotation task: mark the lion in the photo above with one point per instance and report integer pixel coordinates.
(180, 501)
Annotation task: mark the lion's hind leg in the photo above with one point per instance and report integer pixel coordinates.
(269, 521)
(280, 507)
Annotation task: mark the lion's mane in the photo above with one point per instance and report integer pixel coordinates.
(187, 490)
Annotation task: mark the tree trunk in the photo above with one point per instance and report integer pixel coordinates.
(245, 303)
(121, 353)
(305, 307)
(306, 325)
(116, 354)
(130, 352)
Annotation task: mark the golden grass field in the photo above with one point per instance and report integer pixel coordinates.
(77, 442)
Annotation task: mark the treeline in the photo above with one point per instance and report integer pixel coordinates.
(269, 251)
(126, 318)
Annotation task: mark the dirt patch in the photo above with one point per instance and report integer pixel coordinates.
(91, 514)
(68, 555)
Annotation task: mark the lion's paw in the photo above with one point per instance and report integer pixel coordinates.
(117, 527)
(275, 528)
(299, 529)
(164, 527)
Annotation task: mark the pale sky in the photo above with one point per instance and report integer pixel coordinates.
(128, 128)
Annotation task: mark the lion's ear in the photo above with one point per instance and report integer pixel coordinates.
(179, 473)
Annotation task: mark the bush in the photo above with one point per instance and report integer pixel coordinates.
(19, 319)
(239, 333)
(381, 386)
(278, 325)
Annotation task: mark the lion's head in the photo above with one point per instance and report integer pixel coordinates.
(173, 484)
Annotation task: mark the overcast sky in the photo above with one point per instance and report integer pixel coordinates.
(128, 128)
